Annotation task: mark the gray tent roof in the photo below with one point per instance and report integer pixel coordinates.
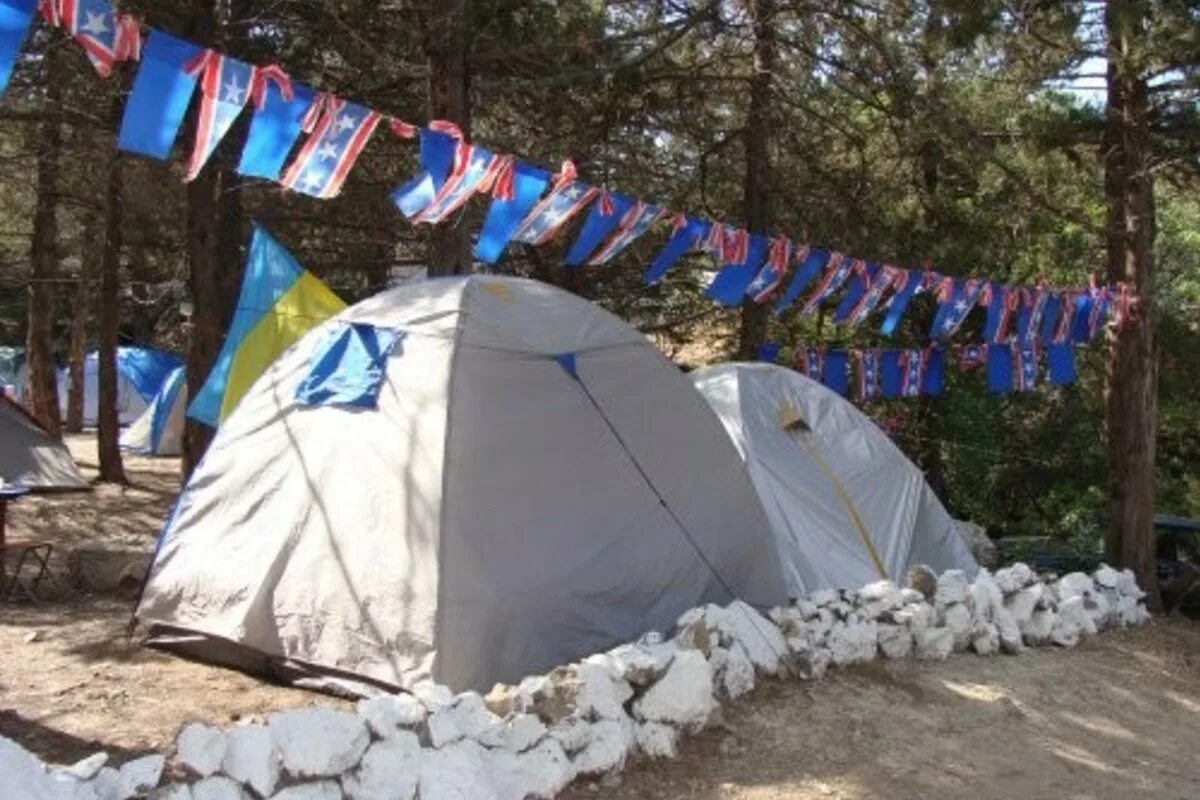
(31, 457)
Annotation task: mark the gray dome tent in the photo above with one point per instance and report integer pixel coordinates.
(31, 457)
(537, 483)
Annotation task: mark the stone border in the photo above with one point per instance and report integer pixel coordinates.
(587, 719)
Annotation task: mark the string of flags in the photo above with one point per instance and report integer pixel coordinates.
(309, 141)
(872, 373)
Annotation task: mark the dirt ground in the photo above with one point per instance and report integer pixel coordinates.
(1117, 717)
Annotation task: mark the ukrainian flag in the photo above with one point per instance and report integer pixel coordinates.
(279, 303)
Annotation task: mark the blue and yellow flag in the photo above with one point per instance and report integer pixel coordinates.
(279, 303)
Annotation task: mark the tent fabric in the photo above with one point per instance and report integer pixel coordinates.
(800, 476)
(493, 517)
(31, 457)
(347, 368)
(141, 372)
(159, 430)
(279, 302)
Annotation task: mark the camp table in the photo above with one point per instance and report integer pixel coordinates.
(37, 554)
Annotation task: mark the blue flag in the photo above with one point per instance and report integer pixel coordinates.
(768, 352)
(688, 234)
(898, 303)
(729, 287)
(931, 381)
(810, 267)
(602, 220)
(1000, 367)
(15, 17)
(833, 374)
(512, 199)
(891, 373)
(274, 130)
(437, 159)
(862, 280)
(1061, 359)
(161, 93)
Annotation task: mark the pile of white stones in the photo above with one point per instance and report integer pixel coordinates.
(586, 719)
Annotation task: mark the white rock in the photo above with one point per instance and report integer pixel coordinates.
(391, 714)
(876, 598)
(318, 742)
(807, 609)
(521, 732)
(813, 664)
(573, 734)
(173, 791)
(542, 772)
(1127, 584)
(908, 596)
(218, 787)
(1014, 578)
(106, 784)
(320, 790)
(468, 718)
(957, 618)
(611, 742)
(985, 640)
(139, 776)
(1097, 608)
(85, 769)
(763, 642)
(717, 659)
(1023, 602)
(389, 770)
(657, 740)
(433, 695)
(460, 771)
(824, 597)
(895, 641)
(200, 749)
(684, 695)
(1107, 577)
(952, 587)
(986, 596)
(641, 665)
(1037, 629)
(1009, 631)
(916, 616)
(853, 642)
(1074, 584)
(251, 758)
(933, 644)
(24, 777)
(737, 677)
(600, 695)
(443, 728)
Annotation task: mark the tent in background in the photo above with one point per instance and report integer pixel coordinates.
(536, 483)
(140, 374)
(32, 458)
(847, 507)
(11, 380)
(159, 430)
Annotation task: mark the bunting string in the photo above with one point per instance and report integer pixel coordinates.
(309, 141)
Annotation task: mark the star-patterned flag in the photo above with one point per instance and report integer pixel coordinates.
(909, 283)
(1031, 311)
(771, 275)
(810, 362)
(957, 299)
(339, 134)
(105, 36)
(1002, 302)
(1025, 372)
(634, 224)
(868, 373)
(837, 271)
(878, 280)
(567, 198)
(224, 89)
(475, 170)
(912, 364)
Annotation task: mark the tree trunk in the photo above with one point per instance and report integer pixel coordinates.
(79, 323)
(1132, 373)
(447, 34)
(214, 246)
(757, 185)
(39, 353)
(108, 430)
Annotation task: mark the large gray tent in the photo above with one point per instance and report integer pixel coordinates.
(31, 457)
(537, 483)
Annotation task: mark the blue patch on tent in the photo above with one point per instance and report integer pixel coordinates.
(347, 369)
(567, 362)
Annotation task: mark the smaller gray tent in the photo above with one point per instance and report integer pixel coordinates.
(30, 457)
